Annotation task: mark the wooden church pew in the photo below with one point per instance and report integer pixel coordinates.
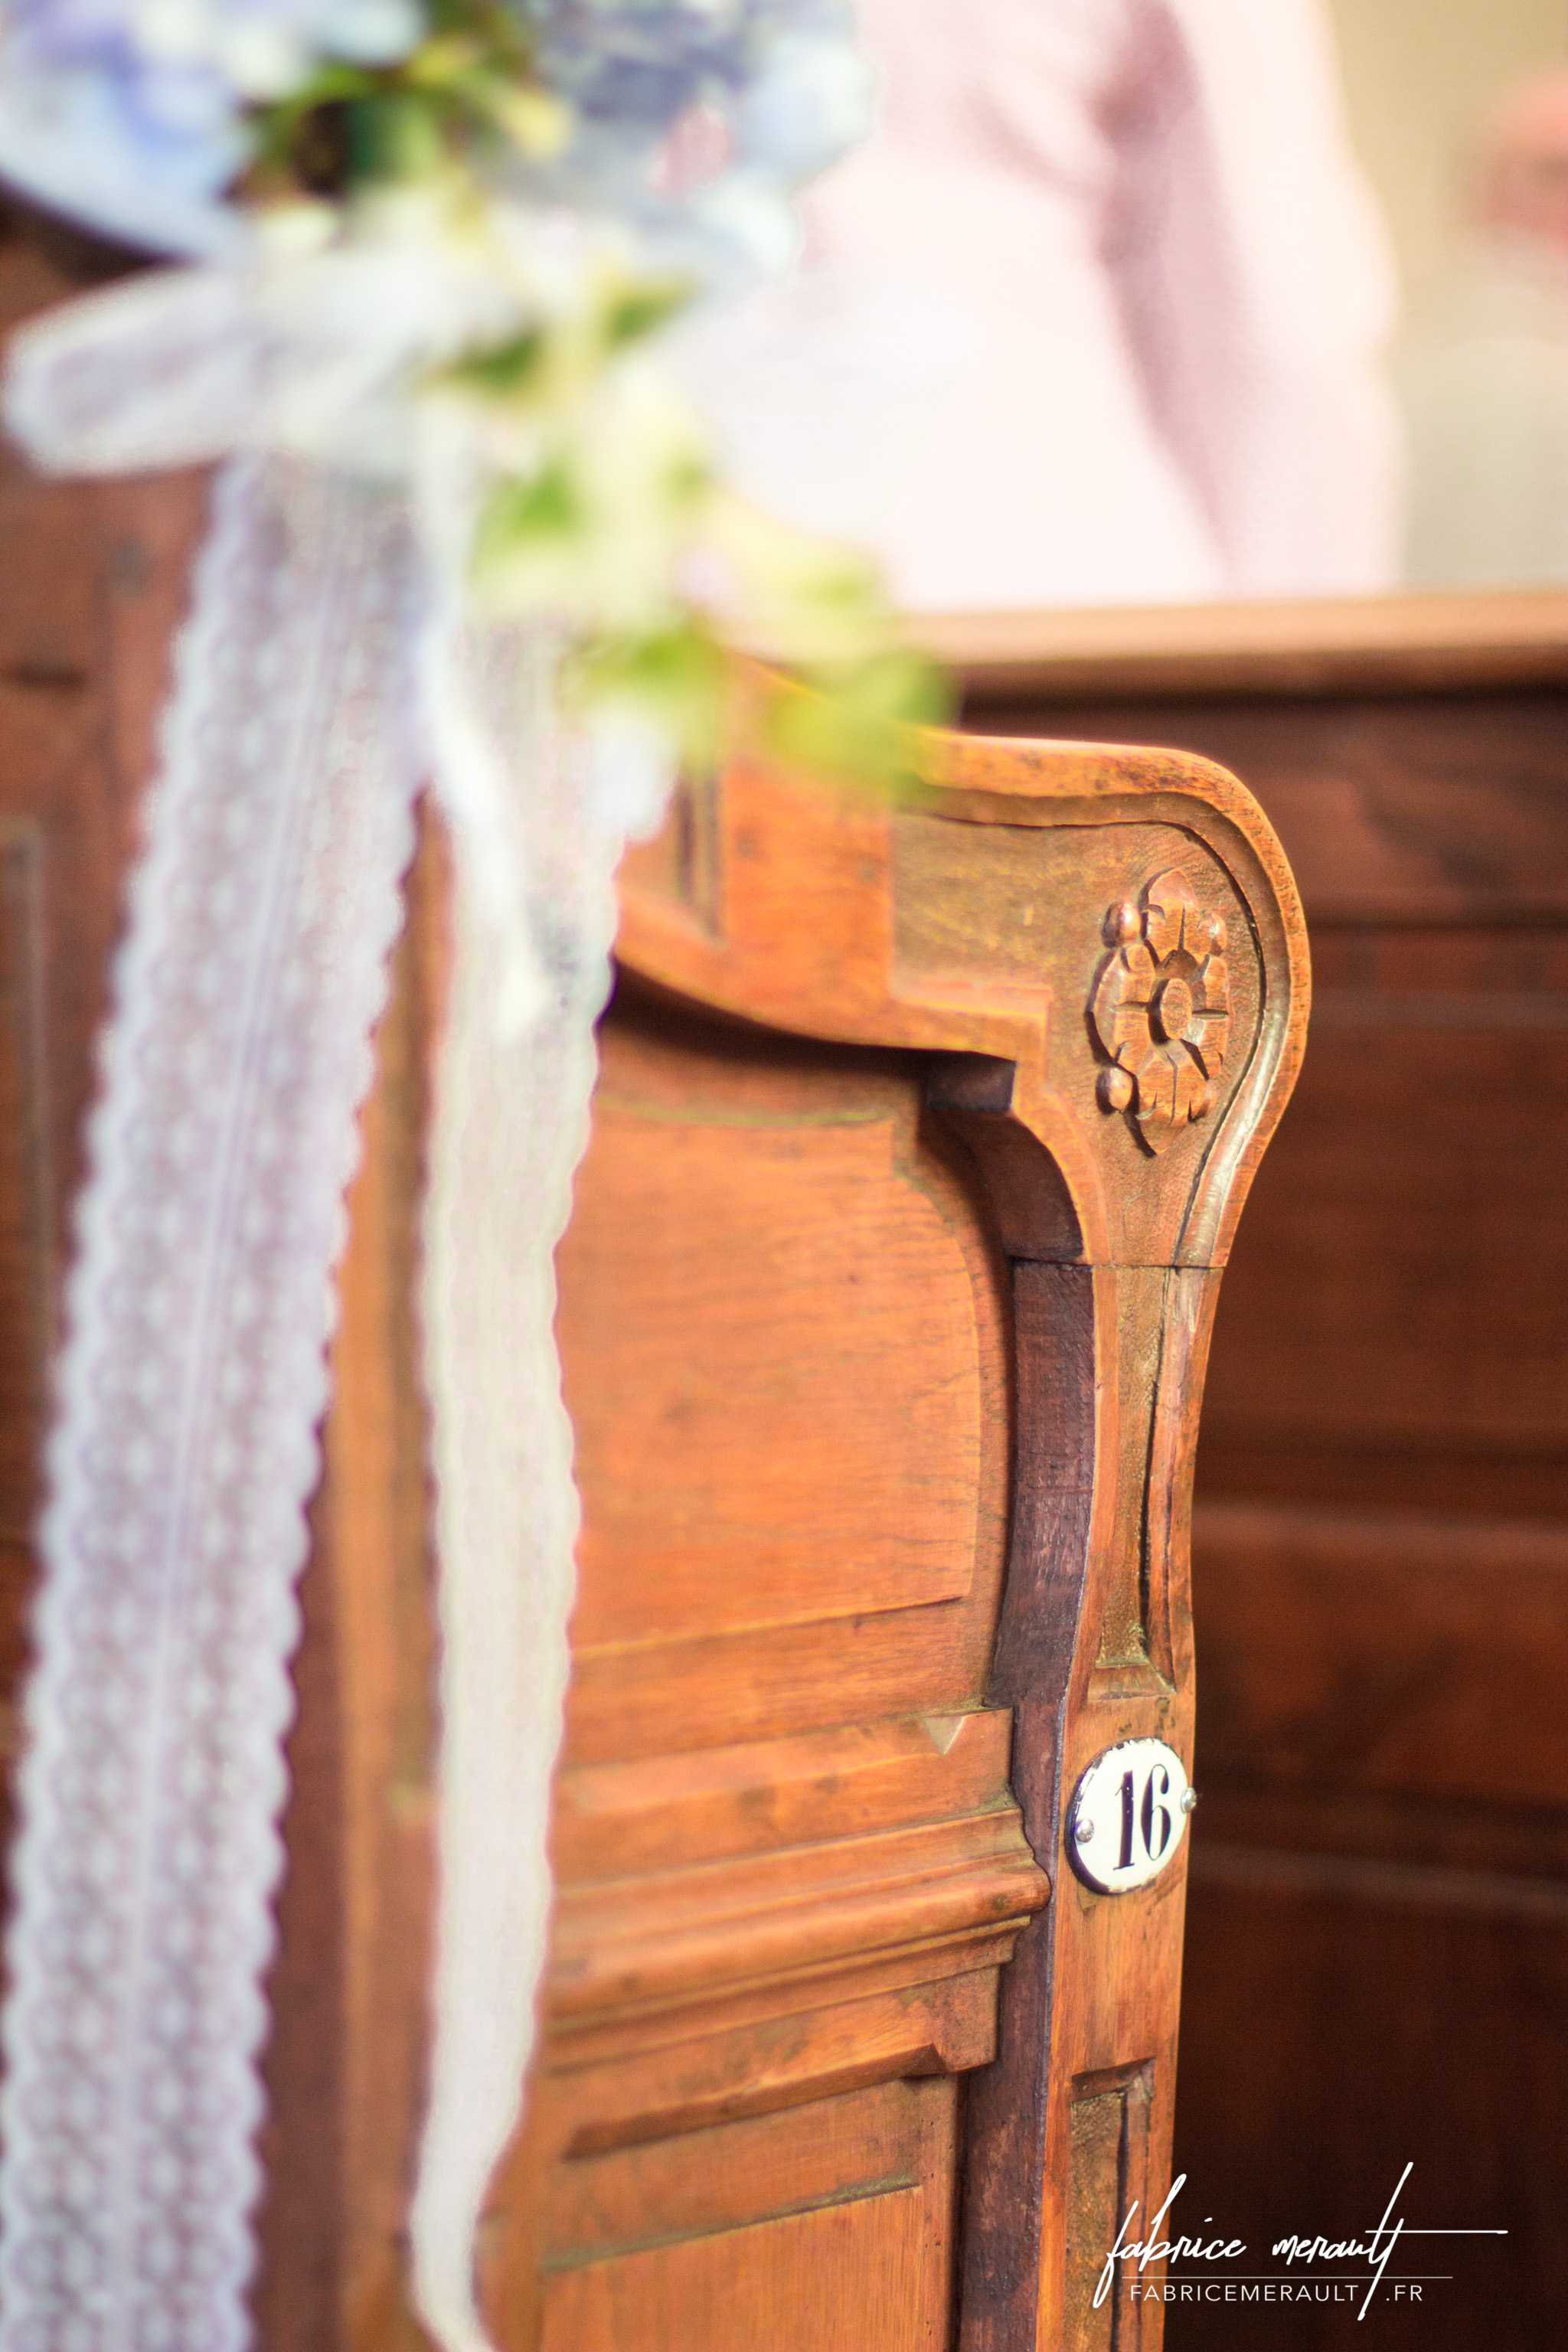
(1378, 1929)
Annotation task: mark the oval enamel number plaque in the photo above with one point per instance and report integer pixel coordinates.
(1129, 1814)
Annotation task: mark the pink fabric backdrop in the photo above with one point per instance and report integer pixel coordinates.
(1141, 291)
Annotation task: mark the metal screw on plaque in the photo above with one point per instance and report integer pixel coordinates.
(1189, 1798)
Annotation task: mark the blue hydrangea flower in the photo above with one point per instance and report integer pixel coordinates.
(782, 76)
(128, 113)
(641, 64)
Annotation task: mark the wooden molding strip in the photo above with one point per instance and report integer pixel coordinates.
(606, 2090)
(617, 1821)
(671, 1936)
(1310, 647)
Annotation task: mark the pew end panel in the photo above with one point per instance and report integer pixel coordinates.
(884, 1322)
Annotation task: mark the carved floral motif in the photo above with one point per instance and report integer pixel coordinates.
(1161, 1009)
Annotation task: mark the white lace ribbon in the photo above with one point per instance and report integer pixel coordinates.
(194, 1378)
(185, 1447)
(512, 1123)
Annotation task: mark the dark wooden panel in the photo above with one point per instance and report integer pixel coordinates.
(1382, 1302)
(1348, 2018)
(1383, 1652)
(1436, 808)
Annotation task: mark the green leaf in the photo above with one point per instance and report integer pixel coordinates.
(393, 135)
(642, 310)
(678, 678)
(898, 688)
(545, 506)
(505, 369)
(857, 726)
